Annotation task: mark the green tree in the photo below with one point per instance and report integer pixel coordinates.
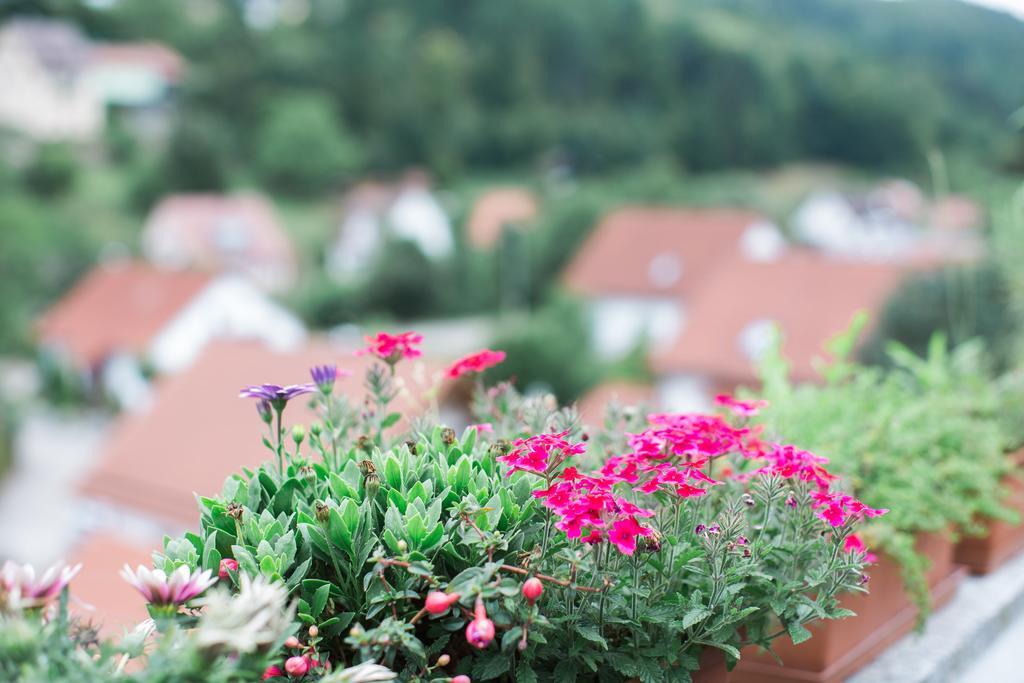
(303, 147)
(52, 171)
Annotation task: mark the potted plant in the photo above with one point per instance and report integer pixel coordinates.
(512, 552)
(1001, 538)
(907, 439)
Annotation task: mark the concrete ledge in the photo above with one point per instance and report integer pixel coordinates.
(957, 635)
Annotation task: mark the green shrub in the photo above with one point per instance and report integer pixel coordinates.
(912, 440)
(303, 148)
(52, 171)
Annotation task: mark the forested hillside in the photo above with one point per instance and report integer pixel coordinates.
(459, 84)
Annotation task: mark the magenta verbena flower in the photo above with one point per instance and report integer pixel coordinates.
(25, 589)
(476, 362)
(837, 508)
(739, 407)
(162, 590)
(539, 452)
(275, 394)
(392, 348)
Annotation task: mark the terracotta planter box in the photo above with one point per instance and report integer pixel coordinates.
(983, 554)
(712, 667)
(840, 648)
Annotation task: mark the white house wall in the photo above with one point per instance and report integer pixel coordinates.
(230, 308)
(619, 324)
(35, 103)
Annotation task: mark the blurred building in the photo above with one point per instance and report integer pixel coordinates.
(124, 321)
(139, 81)
(641, 266)
(739, 308)
(46, 93)
(135, 74)
(375, 213)
(237, 234)
(496, 210)
(891, 222)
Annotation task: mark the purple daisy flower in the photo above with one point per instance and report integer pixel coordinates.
(275, 394)
(324, 376)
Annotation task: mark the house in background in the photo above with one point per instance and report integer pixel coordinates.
(496, 210)
(891, 222)
(139, 81)
(375, 213)
(737, 310)
(640, 267)
(135, 75)
(46, 94)
(124, 319)
(237, 234)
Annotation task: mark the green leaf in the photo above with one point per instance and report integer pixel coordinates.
(695, 616)
(340, 488)
(390, 420)
(797, 632)
(320, 599)
(393, 472)
(590, 633)
(524, 674)
(491, 668)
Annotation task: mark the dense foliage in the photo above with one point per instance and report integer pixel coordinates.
(499, 85)
(687, 533)
(912, 440)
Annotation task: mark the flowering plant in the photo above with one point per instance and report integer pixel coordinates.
(528, 551)
(914, 439)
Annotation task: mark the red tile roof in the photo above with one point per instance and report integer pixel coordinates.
(155, 56)
(199, 225)
(656, 251)
(117, 307)
(810, 296)
(495, 209)
(100, 594)
(198, 431)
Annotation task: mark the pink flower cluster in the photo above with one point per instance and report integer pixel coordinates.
(837, 508)
(392, 348)
(739, 407)
(588, 510)
(476, 362)
(790, 462)
(534, 454)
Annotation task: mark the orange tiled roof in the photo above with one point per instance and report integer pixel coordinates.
(155, 56)
(496, 208)
(117, 307)
(625, 251)
(808, 295)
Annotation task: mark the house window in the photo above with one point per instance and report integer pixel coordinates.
(664, 270)
(756, 338)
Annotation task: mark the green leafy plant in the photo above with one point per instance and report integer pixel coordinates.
(510, 552)
(912, 440)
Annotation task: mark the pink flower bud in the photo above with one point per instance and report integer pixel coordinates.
(480, 631)
(296, 666)
(461, 678)
(532, 589)
(439, 603)
(226, 565)
(291, 642)
(272, 671)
